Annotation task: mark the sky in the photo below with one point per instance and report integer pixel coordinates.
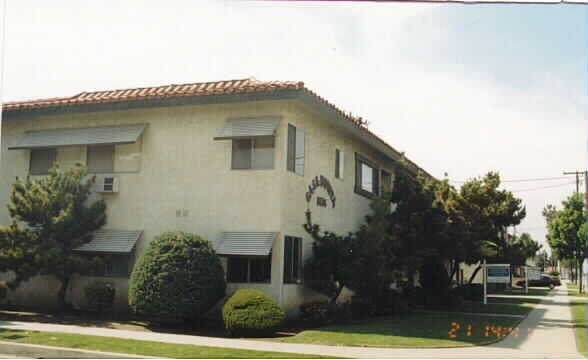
(461, 89)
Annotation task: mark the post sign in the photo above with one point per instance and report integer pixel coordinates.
(498, 273)
(533, 274)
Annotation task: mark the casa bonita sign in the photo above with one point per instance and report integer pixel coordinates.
(321, 181)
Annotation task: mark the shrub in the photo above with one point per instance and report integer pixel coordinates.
(390, 302)
(416, 296)
(99, 296)
(451, 299)
(554, 273)
(179, 276)
(322, 313)
(3, 290)
(252, 313)
(434, 278)
(362, 308)
(472, 292)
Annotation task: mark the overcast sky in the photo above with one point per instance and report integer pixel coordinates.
(462, 89)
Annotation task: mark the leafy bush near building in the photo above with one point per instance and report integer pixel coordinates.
(99, 296)
(252, 313)
(319, 313)
(471, 292)
(391, 302)
(179, 276)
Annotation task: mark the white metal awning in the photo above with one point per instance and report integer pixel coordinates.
(79, 136)
(246, 243)
(112, 241)
(249, 127)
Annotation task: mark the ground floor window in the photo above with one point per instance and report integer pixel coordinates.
(111, 266)
(292, 260)
(249, 269)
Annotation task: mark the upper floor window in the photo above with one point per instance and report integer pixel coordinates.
(386, 181)
(100, 159)
(295, 155)
(339, 163)
(42, 160)
(367, 177)
(253, 153)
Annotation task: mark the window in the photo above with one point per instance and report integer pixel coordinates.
(386, 181)
(367, 177)
(42, 160)
(112, 266)
(339, 164)
(100, 159)
(292, 260)
(295, 156)
(255, 153)
(249, 270)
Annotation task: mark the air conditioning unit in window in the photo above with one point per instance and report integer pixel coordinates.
(106, 184)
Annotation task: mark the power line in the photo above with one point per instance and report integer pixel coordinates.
(544, 187)
(519, 180)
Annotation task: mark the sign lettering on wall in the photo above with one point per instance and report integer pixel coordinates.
(321, 181)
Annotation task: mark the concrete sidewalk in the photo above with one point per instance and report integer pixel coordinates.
(546, 333)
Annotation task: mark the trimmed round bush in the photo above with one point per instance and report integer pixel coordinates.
(99, 296)
(179, 276)
(252, 313)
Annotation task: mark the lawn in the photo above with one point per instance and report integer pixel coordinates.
(514, 306)
(573, 290)
(139, 347)
(521, 291)
(417, 330)
(579, 314)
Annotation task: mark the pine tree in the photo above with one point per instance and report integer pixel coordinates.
(52, 216)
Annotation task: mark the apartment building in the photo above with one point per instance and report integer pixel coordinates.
(238, 162)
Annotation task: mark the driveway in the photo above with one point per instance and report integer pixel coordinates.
(547, 332)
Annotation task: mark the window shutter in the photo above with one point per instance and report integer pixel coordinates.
(337, 154)
(291, 155)
(300, 156)
(287, 259)
(376, 181)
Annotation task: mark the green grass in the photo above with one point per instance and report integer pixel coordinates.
(579, 314)
(417, 330)
(521, 291)
(498, 306)
(573, 290)
(139, 347)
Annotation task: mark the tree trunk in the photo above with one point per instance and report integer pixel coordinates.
(454, 266)
(475, 273)
(61, 294)
(337, 293)
(411, 279)
(580, 275)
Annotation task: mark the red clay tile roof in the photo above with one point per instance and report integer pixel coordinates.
(240, 86)
(249, 85)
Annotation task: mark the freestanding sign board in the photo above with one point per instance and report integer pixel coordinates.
(499, 273)
(496, 274)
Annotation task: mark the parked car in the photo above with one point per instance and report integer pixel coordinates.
(545, 280)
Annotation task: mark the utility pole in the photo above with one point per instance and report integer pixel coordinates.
(579, 261)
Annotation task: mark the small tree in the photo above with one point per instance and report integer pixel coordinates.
(179, 276)
(331, 267)
(52, 216)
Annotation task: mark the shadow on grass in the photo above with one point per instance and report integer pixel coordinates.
(116, 321)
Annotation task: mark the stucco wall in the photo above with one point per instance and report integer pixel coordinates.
(179, 178)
